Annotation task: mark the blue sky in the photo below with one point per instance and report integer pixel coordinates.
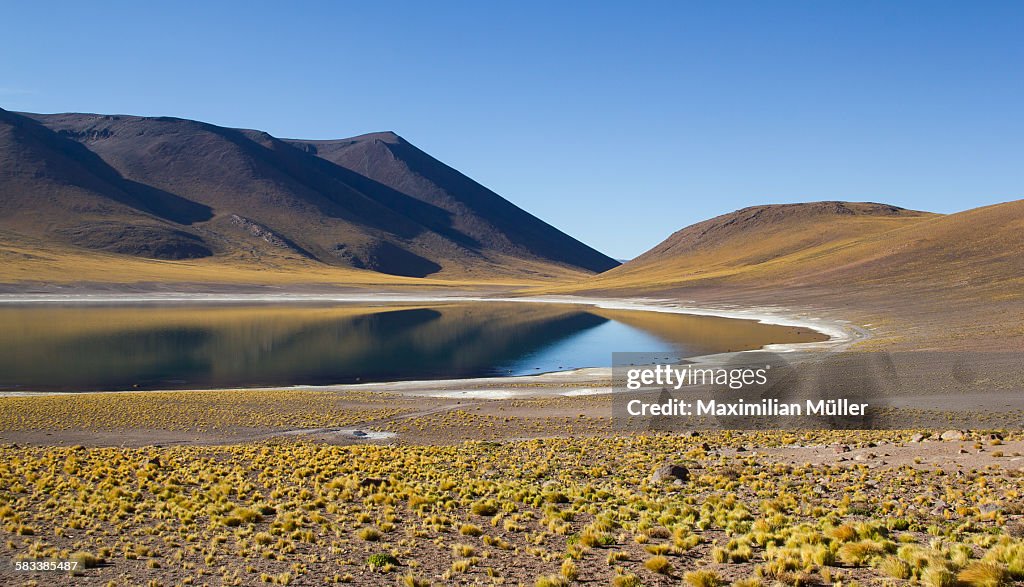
(618, 123)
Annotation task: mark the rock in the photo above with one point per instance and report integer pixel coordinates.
(671, 472)
(917, 437)
(840, 448)
(952, 435)
(961, 451)
(705, 447)
(358, 433)
(741, 449)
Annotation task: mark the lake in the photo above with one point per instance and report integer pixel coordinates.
(46, 347)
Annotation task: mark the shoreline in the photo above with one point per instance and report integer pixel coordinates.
(841, 335)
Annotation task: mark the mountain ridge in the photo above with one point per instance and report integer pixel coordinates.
(245, 194)
(834, 247)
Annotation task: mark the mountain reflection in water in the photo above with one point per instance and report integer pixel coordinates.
(83, 348)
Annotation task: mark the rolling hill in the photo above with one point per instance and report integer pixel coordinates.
(915, 280)
(935, 279)
(764, 244)
(843, 245)
(179, 190)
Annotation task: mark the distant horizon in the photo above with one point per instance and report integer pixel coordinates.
(616, 125)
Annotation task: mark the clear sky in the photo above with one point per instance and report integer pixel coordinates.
(616, 122)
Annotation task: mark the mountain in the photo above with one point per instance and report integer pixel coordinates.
(836, 247)
(762, 242)
(53, 186)
(915, 281)
(479, 217)
(175, 189)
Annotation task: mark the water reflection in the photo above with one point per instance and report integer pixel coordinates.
(160, 347)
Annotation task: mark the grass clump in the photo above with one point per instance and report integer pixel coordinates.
(659, 564)
(551, 581)
(938, 576)
(569, 570)
(381, 560)
(627, 580)
(702, 578)
(484, 508)
(463, 550)
(982, 574)
(895, 567)
(859, 553)
(86, 560)
(470, 530)
(411, 580)
(369, 534)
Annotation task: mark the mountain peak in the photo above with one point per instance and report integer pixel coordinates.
(774, 230)
(373, 201)
(386, 136)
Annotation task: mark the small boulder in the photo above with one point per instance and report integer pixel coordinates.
(917, 437)
(953, 435)
(671, 473)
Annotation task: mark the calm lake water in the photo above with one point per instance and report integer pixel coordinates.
(88, 348)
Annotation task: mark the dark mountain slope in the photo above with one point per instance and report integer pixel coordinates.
(246, 194)
(484, 218)
(54, 188)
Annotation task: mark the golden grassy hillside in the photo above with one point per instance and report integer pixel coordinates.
(845, 246)
(25, 260)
